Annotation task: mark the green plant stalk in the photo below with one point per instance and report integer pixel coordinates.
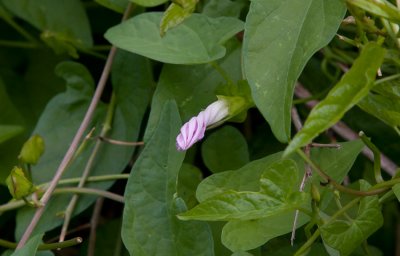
(17, 44)
(90, 191)
(377, 157)
(89, 165)
(7, 18)
(45, 247)
(15, 204)
(222, 72)
(316, 234)
(337, 186)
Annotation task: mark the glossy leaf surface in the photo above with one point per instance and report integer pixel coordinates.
(151, 204)
(280, 37)
(353, 86)
(197, 40)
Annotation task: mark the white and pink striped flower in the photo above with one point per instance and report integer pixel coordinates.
(193, 130)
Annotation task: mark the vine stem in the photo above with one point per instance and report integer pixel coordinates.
(86, 172)
(45, 247)
(75, 142)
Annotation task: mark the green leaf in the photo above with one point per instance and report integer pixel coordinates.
(250, 234)
(353, 86)
(245, 235)
(345, 236)
(197, 40)
(233, 205)
(62, 117)
(115, 5)
(32, 150)
(9, 131)
(18, 184)
(383, 108)
(217, 8)
(280, 37)
(176, 14)
(192, 87)
(148, 3)
(396, 190)
(246, 178)
(381, 8)
(188, 179)
(64, 24)
(30, 247)
(151, 204)
(225, 149)
(276, 196)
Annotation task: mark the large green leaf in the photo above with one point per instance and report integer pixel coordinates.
(197, 40)
(280, 37)
(344, 235)
(131, 81)
(353, 86)
(225, 149)
(192, 87)
(30, 247)
(217, 8)
(150, 226)
(276, 196)
(245, 235)
(64, 24)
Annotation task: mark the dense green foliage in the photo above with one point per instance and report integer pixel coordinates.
(102, 102)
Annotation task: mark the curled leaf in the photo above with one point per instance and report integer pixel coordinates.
(18, 184)
(32, 150)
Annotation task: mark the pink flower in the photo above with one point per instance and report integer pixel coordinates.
(194, 129)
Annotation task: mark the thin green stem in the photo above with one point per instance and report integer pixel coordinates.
(18, 44)
(308, 244)
(89, 165)
(222, 72)
(45, 247)
(377, 157)
(7, 18)
(336, 185)
(386, 79)
(90, 191)
(12, 205)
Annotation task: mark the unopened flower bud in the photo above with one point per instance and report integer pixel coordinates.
(194, 129)
(32, 150)
(315, 193)
(18, 184)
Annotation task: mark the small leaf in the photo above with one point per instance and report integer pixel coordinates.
(60, 30)
(280, 37)
(234, 205)
(32, 150)
(381, 8)
(225, 149)
(9, 131)
(197, 40)
(353, 86)
(18, 184)
(175, 15)
(30, 247)
(396, 190)
(276, 196)
(151, 203)
(250, 234)
(383, 108)
(149, 3)
(344, 235)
